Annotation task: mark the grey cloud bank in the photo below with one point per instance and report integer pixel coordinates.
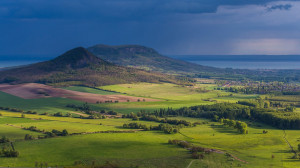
(170, 26)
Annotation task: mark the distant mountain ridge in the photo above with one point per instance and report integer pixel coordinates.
(79, 66)
(145, 58)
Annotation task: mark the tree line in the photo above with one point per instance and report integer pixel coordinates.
(166, 128)
(235, 111)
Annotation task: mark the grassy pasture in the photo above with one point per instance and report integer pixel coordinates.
(68, 121)
(165, 91)
(255, 147)
(89, 90)
(49, 105)
(175, 96)
(286, 98)
(14, 133)
(147, 149)
(171, 96)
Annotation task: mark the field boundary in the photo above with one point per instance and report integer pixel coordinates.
(284, 137)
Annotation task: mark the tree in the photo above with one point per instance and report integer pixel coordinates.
(29, 137)
(216, 118)
(267, 104)
(299, 147)
(64, 132)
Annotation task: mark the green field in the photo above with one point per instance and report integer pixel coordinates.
(171, 95)
(43, 105)
(142, 148)
(174, 96)
(89, 90)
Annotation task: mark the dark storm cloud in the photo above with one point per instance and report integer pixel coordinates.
(171, 26)
(130, 9)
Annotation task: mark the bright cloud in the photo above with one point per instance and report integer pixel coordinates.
(266, 46)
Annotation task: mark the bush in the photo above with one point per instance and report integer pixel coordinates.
(4, 139)
(10, 153)
(29, 137)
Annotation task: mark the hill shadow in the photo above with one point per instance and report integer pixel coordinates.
(223, 129)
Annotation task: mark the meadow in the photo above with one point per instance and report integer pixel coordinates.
(143, 148)
(89, 90)
(172, 95)
(140, 148)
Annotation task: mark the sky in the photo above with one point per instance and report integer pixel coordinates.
(172, 27)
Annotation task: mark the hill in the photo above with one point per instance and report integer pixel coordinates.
(80, 67)
(145, 58)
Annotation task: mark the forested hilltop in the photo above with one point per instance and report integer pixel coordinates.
(146, 58)
(80, 67)
(149, 59)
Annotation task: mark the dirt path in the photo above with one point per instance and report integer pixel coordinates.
(185, 135)
(190, 164)
(14, 126)
(236, 158)
(284, 137)
(84, 115)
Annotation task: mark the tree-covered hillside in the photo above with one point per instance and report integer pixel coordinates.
(145, 58)
(80, 67)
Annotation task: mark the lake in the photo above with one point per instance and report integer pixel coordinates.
(219, 61)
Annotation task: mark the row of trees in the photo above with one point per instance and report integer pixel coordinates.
(166, 128)
(92, 113)
(235, 111)
(165, 120)
(49, 134)
(251, 87)
(196, 151)
(84, 108)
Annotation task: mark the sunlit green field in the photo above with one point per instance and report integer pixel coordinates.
(175, 96)
(89, 90)
(165, 91)
(171, 95)
(144, 148)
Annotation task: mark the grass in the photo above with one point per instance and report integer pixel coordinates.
(171, 95)
(126, 149)
(144, 148)
(14, 133)
(255, 147)
(175, 96)
(164, 91)
(89, 90)
(42, 105)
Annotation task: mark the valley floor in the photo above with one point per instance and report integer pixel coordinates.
(142, 148)
(96, 141)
